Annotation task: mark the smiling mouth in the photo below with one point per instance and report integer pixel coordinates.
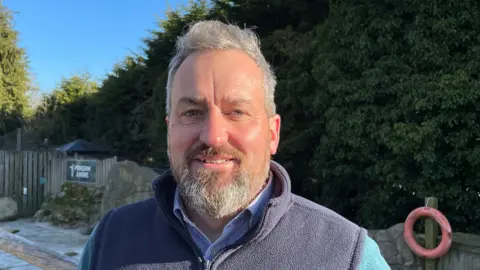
(215, 161)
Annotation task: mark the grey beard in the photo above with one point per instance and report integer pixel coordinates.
(201, 194)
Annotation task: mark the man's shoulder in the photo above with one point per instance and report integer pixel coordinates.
(145, 204)
(134, 219)
(135, 210)
(322, 215)
(322, 227)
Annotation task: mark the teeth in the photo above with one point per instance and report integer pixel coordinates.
(215, 161)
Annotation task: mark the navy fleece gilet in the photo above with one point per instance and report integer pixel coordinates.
(294, 233)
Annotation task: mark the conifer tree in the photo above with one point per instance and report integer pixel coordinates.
(14, 79)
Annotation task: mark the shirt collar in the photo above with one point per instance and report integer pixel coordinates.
(255, 208)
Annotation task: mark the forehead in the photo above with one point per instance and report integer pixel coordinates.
(217, 75)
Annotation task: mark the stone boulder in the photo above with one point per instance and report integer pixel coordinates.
(127, 183)
(8, 209)
(394, 248)
(75, 205)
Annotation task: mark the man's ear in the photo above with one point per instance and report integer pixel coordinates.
(274, 125)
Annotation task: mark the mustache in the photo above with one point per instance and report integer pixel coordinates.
(206, 150)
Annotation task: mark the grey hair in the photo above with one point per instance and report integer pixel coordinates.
(217, 36)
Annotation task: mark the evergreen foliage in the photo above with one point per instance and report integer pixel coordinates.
(379, 99)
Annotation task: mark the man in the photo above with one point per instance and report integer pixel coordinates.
(225, 204)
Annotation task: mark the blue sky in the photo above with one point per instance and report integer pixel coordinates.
(64, 37)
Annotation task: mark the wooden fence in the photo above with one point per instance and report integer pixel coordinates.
(29, 176)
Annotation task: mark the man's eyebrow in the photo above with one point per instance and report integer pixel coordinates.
(201, 101)
(191, 101)
(238, 101)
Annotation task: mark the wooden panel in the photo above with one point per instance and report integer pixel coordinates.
(7, 175)
(41, 173)
(45, 174)
(54, 172)
(28, 177)
(64, 168)
(50, 172)
(17, 174)
(28, 184)
(17, 178)
(11, 172)
(99, 172)
(20, 179)
(34, 182)
(26, 172)
(105, 168)
(60, 174)
(25, 175)
(48, 186)
(2, 173)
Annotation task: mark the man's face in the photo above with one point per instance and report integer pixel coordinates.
(220, 137)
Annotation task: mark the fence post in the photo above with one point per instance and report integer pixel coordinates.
(431, 233)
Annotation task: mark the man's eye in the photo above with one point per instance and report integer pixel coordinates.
(191, 113)
(237, 113)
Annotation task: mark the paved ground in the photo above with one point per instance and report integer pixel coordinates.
(60, 240)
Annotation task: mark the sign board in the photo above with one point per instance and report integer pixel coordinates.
(83, 171)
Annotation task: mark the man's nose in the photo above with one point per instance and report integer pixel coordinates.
(214, 132)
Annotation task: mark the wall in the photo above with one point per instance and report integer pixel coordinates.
(464, 253)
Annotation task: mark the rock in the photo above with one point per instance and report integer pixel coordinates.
(127, 183)
(8, 209)
(71, 253)
(39, 214)
(59, 216)
(73, 207)
(394, 249)
(80, 214)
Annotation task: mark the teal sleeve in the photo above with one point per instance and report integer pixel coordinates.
(86, 256)
(372, 258)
